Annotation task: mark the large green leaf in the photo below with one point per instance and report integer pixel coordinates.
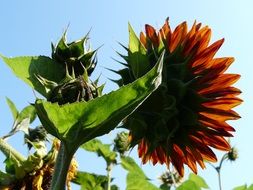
(101, 149)
(80, 122)
(26, 68)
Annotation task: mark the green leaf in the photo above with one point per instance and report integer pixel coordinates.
(27, 112)
(13, 108)
(250, 187)
(137, 182)
(198, 180)
(5, 179)
(23, 120)
(130, 165)
(101, 149)
(80, 122)
(189, 185)
(91, 181)
(242, 187)
(134, 42)
(136, 179)
(27, 68)
(137, 55)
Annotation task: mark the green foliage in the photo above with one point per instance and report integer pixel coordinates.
(137, 57)
(13, 108)
(22, 119)
(198, 180)
(101, 149)
(188, 185)
(194, 182)
(28, 68)
(90, 181)
(129, 164)
(244, 187)
(77, 123)
(136, 179)
(5, 179)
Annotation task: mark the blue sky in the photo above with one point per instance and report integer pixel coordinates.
(28, 27)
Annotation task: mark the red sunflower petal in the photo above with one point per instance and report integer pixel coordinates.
(202, 60)
(143, 39)
(151, 34)
(177, 36)
(225, 103)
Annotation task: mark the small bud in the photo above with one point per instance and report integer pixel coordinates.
(36, 135)
(232, 155)
(121, 143)
(169, 178)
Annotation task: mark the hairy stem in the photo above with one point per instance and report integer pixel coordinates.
(10, 152)
(62, 164)
(109, 175)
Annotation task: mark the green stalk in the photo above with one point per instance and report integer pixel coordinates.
(10, 152)
(109, 175)
(62, 164)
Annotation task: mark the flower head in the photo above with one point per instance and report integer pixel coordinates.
(186, 116)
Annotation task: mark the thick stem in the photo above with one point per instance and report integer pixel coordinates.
(62, 164)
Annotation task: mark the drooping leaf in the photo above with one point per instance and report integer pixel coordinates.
(13, 108)
(188, 185)
(80, 122)
(101, 149)
(27, 68)
(198, 180)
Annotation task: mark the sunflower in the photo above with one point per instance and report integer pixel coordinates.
(187, 115)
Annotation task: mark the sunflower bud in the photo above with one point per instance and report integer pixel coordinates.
(76, 55)
(75, 90)
(79, 63)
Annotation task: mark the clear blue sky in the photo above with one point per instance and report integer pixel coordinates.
(28, 27)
